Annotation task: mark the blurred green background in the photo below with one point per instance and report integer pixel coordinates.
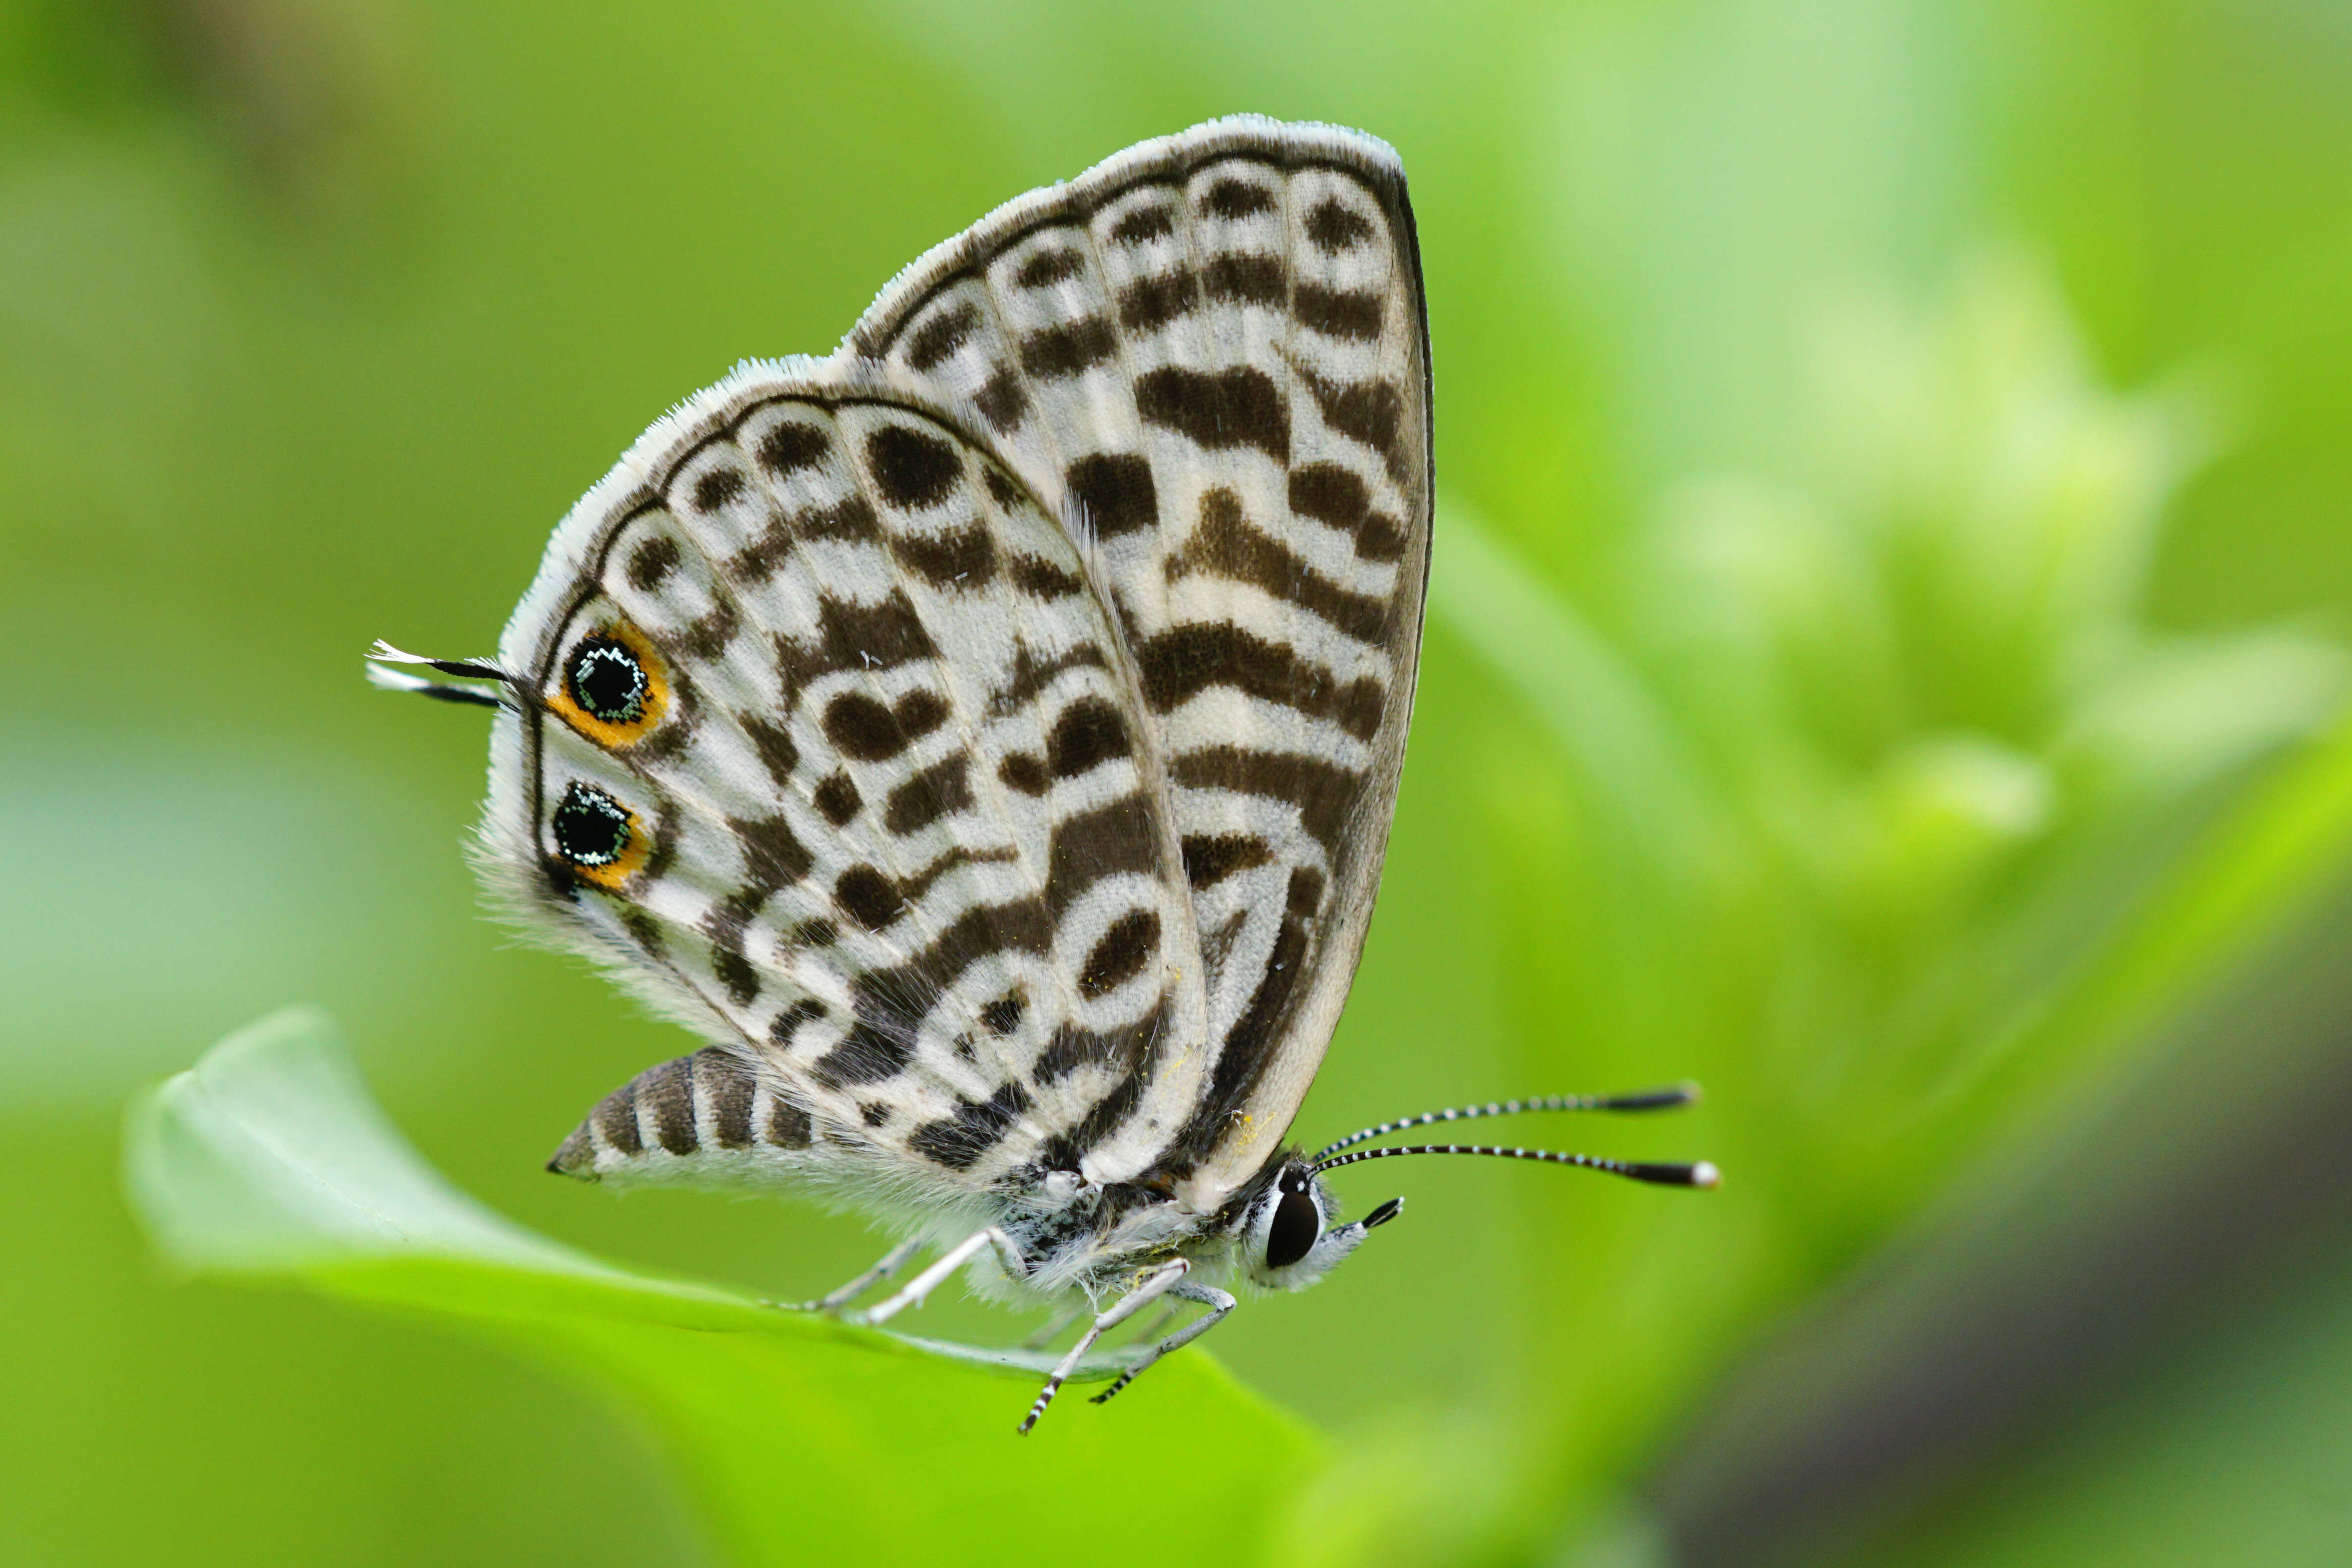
(1895, 545)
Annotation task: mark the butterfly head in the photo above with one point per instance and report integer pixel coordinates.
(1287, 1239)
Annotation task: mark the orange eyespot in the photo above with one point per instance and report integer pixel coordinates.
(602, 840)
(611, 686)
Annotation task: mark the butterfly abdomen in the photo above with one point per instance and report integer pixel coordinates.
(700, 1117)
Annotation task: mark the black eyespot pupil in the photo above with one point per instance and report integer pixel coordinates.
(1296, 1226)
(591, 827)
(607, 681)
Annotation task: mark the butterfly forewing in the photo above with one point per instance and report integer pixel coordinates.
(837, 752)
(1210, 356)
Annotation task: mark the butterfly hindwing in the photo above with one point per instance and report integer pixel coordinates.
(986, 736)
(1211, 356)
(835, 753)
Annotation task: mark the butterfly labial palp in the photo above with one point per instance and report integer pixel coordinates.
(986, 737)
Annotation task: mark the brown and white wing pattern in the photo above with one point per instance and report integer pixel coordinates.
(1210, 356)
(827, 745)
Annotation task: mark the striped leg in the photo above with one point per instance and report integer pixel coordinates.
(1155, 1284)
(892, 1261)
(955, 1257)
(1216, 1300)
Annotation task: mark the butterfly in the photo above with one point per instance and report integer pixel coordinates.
(986, 737)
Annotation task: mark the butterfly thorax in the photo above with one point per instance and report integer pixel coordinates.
(1096, 1238)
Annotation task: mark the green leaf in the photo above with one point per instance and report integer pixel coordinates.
(1921, 959)
(803, 1437)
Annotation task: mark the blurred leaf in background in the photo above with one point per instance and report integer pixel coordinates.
(1895, 789)
(1838, 691)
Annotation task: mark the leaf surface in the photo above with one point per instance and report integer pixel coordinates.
(801, 1438)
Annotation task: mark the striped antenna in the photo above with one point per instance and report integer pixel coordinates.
(1670, 1098)
(385, 654)
(1702, 1174)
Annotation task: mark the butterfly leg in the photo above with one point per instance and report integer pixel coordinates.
(955, 1257)
(892, 1261)
(1218, 1303)
(1155, 1284)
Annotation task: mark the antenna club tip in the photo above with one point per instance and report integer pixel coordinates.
(1705, 1174)
(1690, 1091)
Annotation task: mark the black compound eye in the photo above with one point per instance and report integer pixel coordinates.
(1298, 1225)
(607, 681)
(591, 827)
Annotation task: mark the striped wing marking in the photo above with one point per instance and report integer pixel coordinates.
(1210, 354)
(895, 836)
